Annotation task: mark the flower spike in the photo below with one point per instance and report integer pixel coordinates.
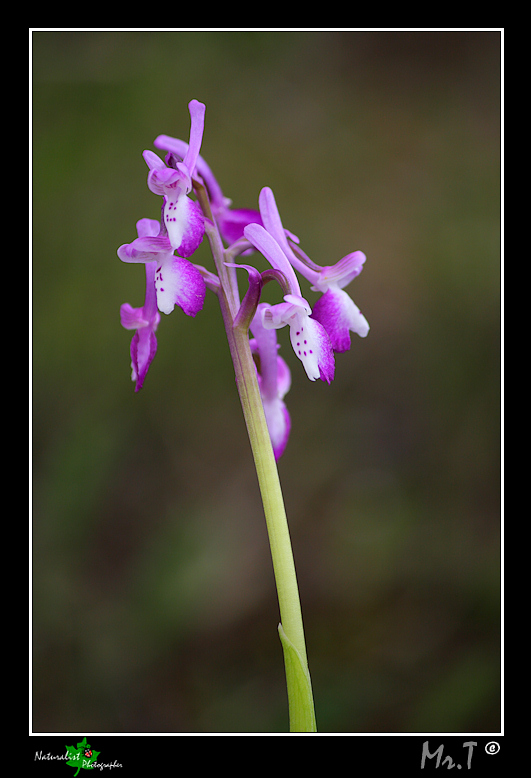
(262, 377)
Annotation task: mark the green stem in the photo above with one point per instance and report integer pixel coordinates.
(301, 707)
(270, 489)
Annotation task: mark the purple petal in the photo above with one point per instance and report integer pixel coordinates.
(167, 143)
(271, 218)
(268, 246)
(342, 273)
(266, 345)
(178, 282)
(185, 224)
(197, 114)
(127, 253)
(312, 346)
(194, 231)
(145, 249)
(167, 180)
(152, 244)
(147, 227)
(232, 222)
(279, 425)
(153, 161)
(274, 317)
(274, 379)
(143, 350)
(339, 315)
(180, 149)
(132, 318)
(283, 377)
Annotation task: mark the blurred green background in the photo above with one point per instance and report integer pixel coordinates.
(154, 607)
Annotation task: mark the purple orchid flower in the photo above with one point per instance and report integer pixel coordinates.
(176, 280)
(145, 321)
(274, 380)
(231, 221)
(182, 216)
(308, 337)
(335, 310)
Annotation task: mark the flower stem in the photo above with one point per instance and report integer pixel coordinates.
(302, 717)
(300, 698)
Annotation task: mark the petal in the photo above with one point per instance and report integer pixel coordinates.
(232, 222)
(143, 350)
(339, 315)
(145, 249)
(178, 282)
(148, 315)
(277, 316)
(195, 230)
(180, 149)
(283, 377)
(298, 302)
(271, 218)
(266, 346)
(167, 143)
(273, 317)
(126, 254)
(147, 227)
(342, 273)
(132, 318)
(197, 115)
(268, 246)
(312, 345)
(162, 178)
(153, 161)
(160, 182)
(185, 224)
(278, 423)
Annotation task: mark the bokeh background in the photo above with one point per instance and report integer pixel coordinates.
(154, 607)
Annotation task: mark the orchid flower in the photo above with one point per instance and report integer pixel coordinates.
(335, 310)
(274, 380)
(231, 221)
(308, 338)
(145, 321)
(176, 280)
(182, 216)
